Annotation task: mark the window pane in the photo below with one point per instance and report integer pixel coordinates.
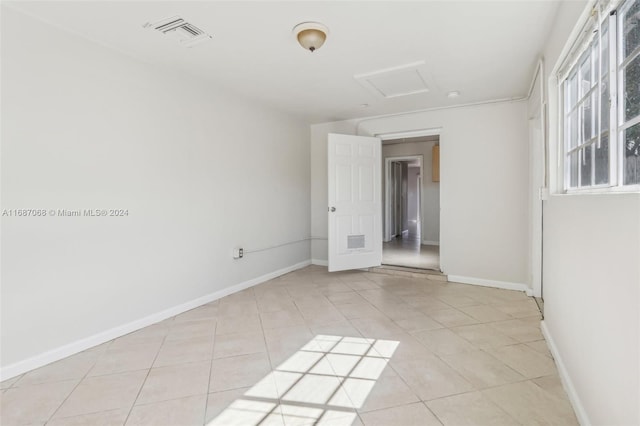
(632, 89)
(585, 166)
(631, 166)
(631, 28)
(585, 118)
(602, 160)
(573, 129)
(605, 104)
(573, 90)
(585, 76)
(573, 170)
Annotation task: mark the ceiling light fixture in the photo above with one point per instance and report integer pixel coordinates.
(311, 35)
(453, 94)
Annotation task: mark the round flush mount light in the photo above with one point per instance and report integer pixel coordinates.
(453, 94)
(311, 35)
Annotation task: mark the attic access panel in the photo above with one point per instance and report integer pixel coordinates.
(394, 82)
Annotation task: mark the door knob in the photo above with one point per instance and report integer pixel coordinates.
(332, 209)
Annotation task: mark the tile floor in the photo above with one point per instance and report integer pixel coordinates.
(313, 347)
(410, 253)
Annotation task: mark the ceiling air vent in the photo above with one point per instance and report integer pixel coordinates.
(187, 34)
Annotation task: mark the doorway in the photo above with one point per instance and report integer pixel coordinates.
(411, 203)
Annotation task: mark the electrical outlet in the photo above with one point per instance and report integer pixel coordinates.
(238, 253)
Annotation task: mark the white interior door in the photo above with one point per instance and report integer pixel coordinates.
(355, 210)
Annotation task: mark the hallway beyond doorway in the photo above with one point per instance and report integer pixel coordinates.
(410, 253)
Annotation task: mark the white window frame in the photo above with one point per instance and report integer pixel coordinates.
(616, 123)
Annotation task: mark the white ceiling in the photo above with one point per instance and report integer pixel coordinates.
(485, 50)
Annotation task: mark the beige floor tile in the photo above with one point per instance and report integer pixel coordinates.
(182, 330)
(183, 411)
(519, 309)
(450, 317)
(525, 360)
(300, 415)
(311, 389)
(540, 346)
(431, 378)
(457, 300)
(551, 384)
(398, 311)
(426, 304)
(380, 296)
(482, 369)
(249, 412)
(204, 312)
(9, 382)
(321, 317)
(333, 288)
(520, 330)
(484, 313)
(238, 372)
(389, 390)
(130, 357)
(377, 328)
(33, 404)
(249, 323)
(529, 404)
(483, 336)
(443, 341)
(284, 342)
(406, 415)
(418, 322)
(343, 298)
(469, 409)
(103, 393)
(362, 285)
(303, 291)
(234, 344)
(279, 319)
(153, 334)
(231, 309)
(338, 328)
(359, 310)
(272, 304)
(176, 381)
(103, 418)
(400, 347)
(73, 367)
(175, 352)
(268, 362)
(217, 402)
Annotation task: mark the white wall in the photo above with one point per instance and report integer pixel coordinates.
(484, 178)
(591, 279)
(199, 171)
(430, 189)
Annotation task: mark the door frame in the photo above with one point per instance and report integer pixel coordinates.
(386, 235)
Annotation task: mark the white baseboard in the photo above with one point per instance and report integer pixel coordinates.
(489, 283)
(430, 243)
(567, 383)
(59, 353)
(320, 262)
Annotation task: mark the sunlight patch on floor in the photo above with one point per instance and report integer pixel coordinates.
(324, 382)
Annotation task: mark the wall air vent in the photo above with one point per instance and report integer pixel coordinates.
(187, 34)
